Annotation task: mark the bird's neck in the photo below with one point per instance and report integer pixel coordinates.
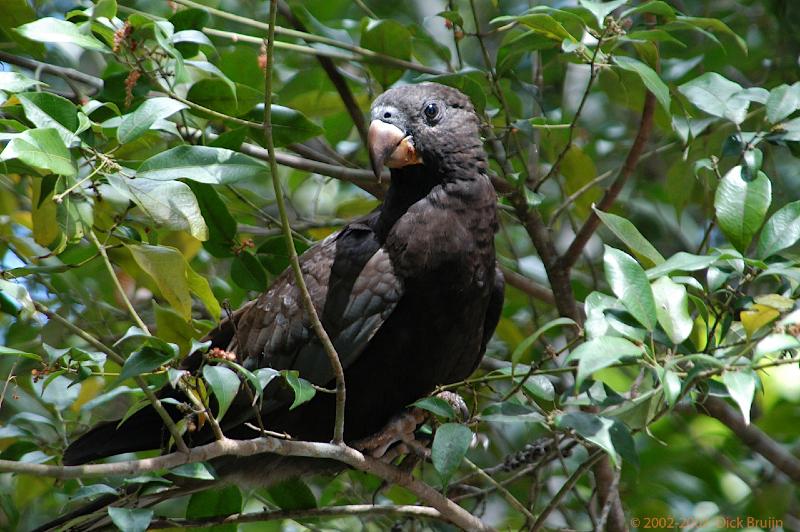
(409, 185)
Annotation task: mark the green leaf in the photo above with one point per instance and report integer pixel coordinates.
(197, 470)
(224, 383)
(714, 25)
(781, 231)
(629, 283)
(167, 267)
(136, 124)
(290, 126)
(248, 273)
(130, 519)
(16, 13)
(16, 82)
(48, 110)
(436, 405)
(525, 344)
(600, 9)
(10, 351)
(593, 428)
(145, 359)
(783, 101)
(221, 225)
(717, 96)
(387, 37)
(599, 353)
(684, 262)
(627, 232)
(41, 149)
(220, 502)
(169, 204)
(545, 25)
(202, 164)
(741, 386)
(199, 286)
(671, 383)
(55, 30)
(292, 494)
(215, 94)
(649, 77)
(105, 8)
(741, 206)
(450, 444)
(657, 7)
(775, 343)
(672, 309)
(303, 390)
(467, 81)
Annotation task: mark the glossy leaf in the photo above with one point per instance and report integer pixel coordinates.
(649, 77)
(600, 353)
(741, 206)
(224, 383)
(741, 386)
(627, 232)
(672, 309)
(303, 390)
(55, 30)
(145, 359)
(781, 231)
(169, 204)
(629, 283)
(42, 149)
(387, 37)
(783, 100)
(717, 96)
(130, 519)
(167, 267)
(135, 124)
(593, 428)
(601, 9)
(202, 164)
(450, 444)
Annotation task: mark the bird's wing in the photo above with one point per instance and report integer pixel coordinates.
(354, 289)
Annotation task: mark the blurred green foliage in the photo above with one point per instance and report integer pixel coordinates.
(151, 147)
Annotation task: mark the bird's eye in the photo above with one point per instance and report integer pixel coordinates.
(431, 111)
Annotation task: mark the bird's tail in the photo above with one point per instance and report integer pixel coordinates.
(142, 431)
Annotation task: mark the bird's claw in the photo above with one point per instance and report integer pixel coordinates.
(398, 436)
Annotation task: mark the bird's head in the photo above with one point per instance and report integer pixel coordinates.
(428, 124)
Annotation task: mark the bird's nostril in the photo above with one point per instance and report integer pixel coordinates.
(387, 114)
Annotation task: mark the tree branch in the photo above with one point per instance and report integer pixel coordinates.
(227, 447)
(325, 511)
(752, 436)
(62, 72)
(532, 288)
(308, 303)
(590, 226)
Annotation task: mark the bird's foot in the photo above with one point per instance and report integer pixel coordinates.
(399, 437)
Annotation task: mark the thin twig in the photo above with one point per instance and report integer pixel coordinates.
(127, 302)
(502, 490)
(113, 355)
(566, 488)
(308, 303)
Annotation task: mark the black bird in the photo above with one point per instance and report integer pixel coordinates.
(409, 294)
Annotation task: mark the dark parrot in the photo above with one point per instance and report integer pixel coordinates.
(409, 294)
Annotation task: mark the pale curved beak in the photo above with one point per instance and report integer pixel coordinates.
(390, 146)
